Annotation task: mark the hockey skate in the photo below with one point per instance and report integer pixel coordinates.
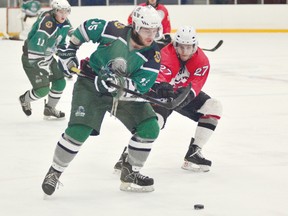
(50, 113)
(51, 181)
(194, 161)
(133, 181)
(26, 106)
(118, 165)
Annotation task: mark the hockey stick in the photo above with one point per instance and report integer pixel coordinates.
(214, 48)
(166, 104)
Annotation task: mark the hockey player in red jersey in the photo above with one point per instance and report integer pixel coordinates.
(166, 25)
(183, 62)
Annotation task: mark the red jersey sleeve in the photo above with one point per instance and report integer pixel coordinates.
(169, 64)
(129, 20)
(198, 67)
(163, 12)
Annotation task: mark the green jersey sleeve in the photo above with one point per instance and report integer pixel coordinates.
(90, 30)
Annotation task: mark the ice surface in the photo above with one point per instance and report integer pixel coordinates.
(249, 149)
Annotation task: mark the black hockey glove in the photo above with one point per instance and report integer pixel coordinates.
(163, 90)
(67, 58)
(104, 78)
(166, 39)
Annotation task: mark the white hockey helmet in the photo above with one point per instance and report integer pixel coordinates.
(186, 35)
(146, 17)
(61, 5)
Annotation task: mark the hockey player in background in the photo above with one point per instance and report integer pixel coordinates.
(46, 38)
(164, 37)
(129, 57)
(183, 62)
(29, 12)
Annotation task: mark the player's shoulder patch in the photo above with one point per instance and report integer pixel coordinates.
(118, 25)
(153, 53)
(157, 56)
(47, 25)
(115, 28)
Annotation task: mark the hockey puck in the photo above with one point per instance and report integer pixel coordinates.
(198, 206)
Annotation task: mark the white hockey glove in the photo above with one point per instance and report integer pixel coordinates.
(67, 58)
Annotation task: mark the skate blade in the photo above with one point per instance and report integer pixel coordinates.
(53, 118)
(130, 187)
(195, 167)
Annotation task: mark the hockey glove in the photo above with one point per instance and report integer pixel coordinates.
(166, 39)
(67, 58)
(163, 90)
(103, 79)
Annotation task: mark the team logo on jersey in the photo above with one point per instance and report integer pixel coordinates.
(118, 66)
(80, 112)
(157, 56)
(49, 24)
(38, 79)
(119, 25)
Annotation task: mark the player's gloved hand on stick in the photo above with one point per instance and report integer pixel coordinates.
(67, 58)
(163, 90)
(104, 78)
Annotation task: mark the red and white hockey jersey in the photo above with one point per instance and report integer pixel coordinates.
(195, 70)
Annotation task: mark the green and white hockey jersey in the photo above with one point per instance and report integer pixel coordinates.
(45, 36)
(31, 8)
(113, 38)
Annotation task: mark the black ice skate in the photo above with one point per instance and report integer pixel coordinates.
(194, 160)
(51, 181)
(133, 181)
(52, 112)
(118, 165)
(26, 106)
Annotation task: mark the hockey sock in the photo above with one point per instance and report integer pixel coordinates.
(138, 151)
(30, 96)
(66, 149)
(204, 129)
(55, 92)
(53, 98)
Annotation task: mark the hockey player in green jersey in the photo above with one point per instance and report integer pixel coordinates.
(30, 9)
(46, 38)
(29, 12)
(129, 57)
